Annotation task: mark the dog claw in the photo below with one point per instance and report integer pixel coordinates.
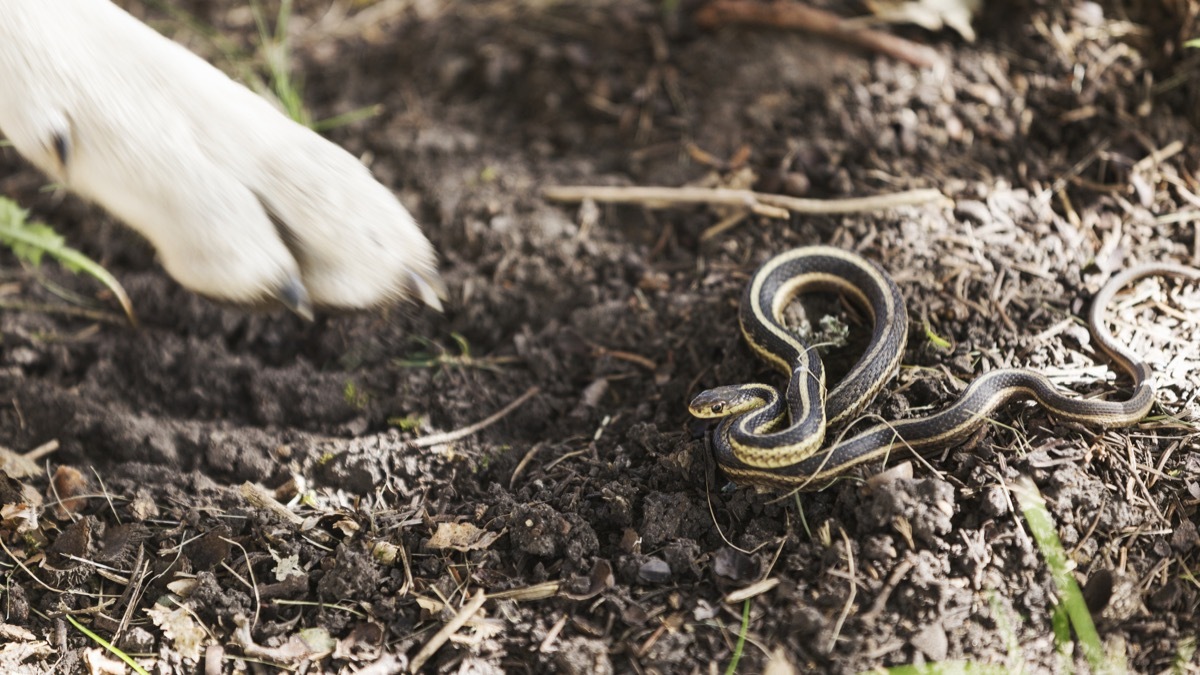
(294, 296)
(429, 289)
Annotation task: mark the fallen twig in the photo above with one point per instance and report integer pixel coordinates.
(451, 436)
(795, 15)
(669, 197)
(66, 310)
(47, 448)
(262, 499)
(435, 643)
(763, 203)
(841, 620)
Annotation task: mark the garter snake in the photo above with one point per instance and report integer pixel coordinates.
(772, 439)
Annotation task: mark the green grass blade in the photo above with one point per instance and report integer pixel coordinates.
(1184, 655)
(1060, 625)
(946, 668)
(1004, 626)
(31, 241)
(741, 643)
(363, 113)
(934, 339)
(137, 668)
(1041, 526)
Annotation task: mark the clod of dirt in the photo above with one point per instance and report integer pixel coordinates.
(925, 504)
(137, 640)
(732, 564)
(931, 641)
(994, 502)
(212, 598)
(209, 550)
(72, 545)
(66, 555)
(14, 492)
(669, 515)
(582, 656)
(118, 544)
(1173, 596)
(143, 507)
(351, 574)
(16, 606)
(683, 556)
(538, 529)
(351, 470)
(1185, 538)
(879, 547)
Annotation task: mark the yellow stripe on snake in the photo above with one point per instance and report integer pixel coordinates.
(779, 440)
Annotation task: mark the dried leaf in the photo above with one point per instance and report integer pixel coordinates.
(143, 506)
(316, 641)
(462, 537)
(364, 643)
(286, 566)
(309, 644)
(385, 552)
(11, 633)
(183, 587)
(19, 518)
(17, 465)
(931, 15)
(348, 527)
(72, 545)
(101, 662)
(180, 628)
(69, 485)
(778, 663)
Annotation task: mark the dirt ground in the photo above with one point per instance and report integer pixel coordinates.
(591, 513)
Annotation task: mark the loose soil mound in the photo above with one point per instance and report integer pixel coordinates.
(1064, 135)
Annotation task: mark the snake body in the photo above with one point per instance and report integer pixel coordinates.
(773, 439)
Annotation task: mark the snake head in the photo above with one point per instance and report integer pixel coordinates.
(731, 400)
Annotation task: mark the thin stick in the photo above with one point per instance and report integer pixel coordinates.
(669, 197)
(259, 498)
(133, 591)
(885, 592)
(42, 450)
(35, 578)
(101, 315)
(524, 463)
(263, 500)
(796, 15)
(451, 436)
(439, 638)
(841, 620)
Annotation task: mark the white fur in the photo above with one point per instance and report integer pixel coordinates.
(189, 158)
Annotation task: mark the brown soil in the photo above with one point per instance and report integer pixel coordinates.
(1054, 135)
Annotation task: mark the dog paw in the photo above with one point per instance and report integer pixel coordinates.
(242, 203)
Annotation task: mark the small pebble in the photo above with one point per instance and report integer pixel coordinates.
(655, 571)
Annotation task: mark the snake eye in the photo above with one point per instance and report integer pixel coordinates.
(717, 408)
